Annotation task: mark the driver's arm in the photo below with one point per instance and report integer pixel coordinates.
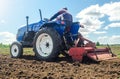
(57, 14)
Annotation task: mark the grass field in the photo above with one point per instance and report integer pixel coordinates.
(5, 50)
(114, 48)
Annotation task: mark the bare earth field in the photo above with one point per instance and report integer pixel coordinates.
(30, 68)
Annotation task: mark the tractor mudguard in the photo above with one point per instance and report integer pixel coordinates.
(56, 25)
(49, 24)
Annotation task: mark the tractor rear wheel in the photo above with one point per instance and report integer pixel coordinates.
(47, 44)
(16, 50)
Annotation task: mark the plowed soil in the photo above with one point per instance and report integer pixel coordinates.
(29, 67)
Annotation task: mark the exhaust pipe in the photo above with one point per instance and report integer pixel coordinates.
(27, 17)
(40, 14)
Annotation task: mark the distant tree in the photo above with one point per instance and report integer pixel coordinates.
(97, 44)
(1, 44)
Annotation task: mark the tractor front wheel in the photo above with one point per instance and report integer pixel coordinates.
(47, 44)
(16, 50)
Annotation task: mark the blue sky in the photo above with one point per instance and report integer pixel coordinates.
(101, 18)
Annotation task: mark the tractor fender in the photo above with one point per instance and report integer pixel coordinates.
(49, 24)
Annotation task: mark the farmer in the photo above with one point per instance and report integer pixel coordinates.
(63, 15)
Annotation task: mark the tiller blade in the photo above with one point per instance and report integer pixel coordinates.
(96, 54)
(101, 54)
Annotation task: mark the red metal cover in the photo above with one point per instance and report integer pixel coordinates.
(77, 53)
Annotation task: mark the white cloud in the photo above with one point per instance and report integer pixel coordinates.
(112, 10)
(115, 39)
(93, 11)
(103, 39)
(84, 32)
(2, 21)
(92, 18)
(7, 37)
(112, 25)
(99, 32)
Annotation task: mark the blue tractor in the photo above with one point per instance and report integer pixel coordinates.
(48, 39)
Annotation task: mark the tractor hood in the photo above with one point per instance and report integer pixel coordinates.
(31, 27)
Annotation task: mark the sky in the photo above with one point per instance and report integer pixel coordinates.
(101, 18)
